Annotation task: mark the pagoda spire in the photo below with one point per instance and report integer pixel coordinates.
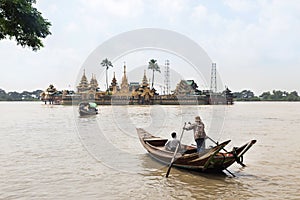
(94, 83)
(124, 83)
(84, 84)
(114, 80)
(124, 78)
(145, 80)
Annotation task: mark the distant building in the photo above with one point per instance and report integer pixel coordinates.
(187, 87)
(51, 95)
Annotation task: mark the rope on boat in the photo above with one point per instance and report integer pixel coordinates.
(240, 159)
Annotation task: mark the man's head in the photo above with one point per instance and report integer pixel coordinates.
(173, 135)
(197, 119)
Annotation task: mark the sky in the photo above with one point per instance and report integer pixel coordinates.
(255, 44)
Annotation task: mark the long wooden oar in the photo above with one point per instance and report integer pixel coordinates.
(176, 150)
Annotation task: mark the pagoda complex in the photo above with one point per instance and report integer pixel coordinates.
(135, 93)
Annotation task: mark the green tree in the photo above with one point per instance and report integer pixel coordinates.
(293, 96)
(24, 23)
(154, 67)
(245, 95)
(265, 96)
(277, 95)
(107, 64)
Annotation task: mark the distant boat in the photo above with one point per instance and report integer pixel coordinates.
(210, 160)
(88, 108)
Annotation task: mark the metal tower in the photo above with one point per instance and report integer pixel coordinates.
(213, 78)
(167, 77)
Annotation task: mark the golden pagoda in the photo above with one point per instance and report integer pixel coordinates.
(144, 94)
(94, 83)
(145, 80)
(124, 84)
(87, 90)
(84, 84)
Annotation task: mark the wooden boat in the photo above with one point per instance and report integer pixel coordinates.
(210, 160)
(87, 108)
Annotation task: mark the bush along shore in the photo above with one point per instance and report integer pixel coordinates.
(275, 95)
(23, 96)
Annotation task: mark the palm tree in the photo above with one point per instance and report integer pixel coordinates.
(107, 64)
(154, 67)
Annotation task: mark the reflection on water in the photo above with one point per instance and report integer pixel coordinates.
(194, 185)
(50, 152)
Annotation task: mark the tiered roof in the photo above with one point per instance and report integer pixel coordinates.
(185, 87)
(93, 83)
(84, 85)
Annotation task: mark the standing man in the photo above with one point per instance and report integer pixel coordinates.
(199, 133)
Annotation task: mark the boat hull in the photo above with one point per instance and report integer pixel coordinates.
(85, 113)
(210, 160)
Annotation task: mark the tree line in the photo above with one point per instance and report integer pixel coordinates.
(275, 95)
(23, 96)
(245, 95)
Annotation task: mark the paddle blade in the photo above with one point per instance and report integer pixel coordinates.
(169, 169)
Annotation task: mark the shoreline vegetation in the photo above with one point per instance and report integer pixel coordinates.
(275, 95)
(245, 95)
(22, 96)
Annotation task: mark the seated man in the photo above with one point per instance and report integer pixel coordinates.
(172, 144)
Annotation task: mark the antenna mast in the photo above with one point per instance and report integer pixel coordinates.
(213, 78)
(167, 77)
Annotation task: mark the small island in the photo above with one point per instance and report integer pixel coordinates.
(135, 93)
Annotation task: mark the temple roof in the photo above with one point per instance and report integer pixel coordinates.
(114, 80)
(93, 83)
(84, 82)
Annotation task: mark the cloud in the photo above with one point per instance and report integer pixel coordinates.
(199, 12)
(114, 8)
(241, 5)
(170, 9)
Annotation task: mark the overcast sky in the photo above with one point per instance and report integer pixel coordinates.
(255, 44)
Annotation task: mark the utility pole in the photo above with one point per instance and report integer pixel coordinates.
(167, 77)
(213, 78)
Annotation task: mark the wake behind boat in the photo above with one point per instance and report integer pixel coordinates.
(210, 160)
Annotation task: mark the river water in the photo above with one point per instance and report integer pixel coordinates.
(49, 152)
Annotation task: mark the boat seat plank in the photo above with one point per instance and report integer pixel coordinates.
(156, 141)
